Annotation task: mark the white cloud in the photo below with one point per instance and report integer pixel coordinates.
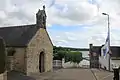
(71, 13)
(2, 15)
(96, 33)
(67, 12)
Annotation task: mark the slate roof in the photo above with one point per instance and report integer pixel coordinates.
(18, 36)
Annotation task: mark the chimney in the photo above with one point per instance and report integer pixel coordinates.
(90, 48)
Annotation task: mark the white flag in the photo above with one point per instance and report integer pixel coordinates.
(105, 48)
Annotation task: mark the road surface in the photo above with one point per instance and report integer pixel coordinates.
(66, 74)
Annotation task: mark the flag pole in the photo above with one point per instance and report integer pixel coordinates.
(109, 39)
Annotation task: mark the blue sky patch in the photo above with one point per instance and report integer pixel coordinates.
(59, 7)
(67, 28)
(92, 1)
(52, 3)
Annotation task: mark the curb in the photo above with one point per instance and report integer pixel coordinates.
(94, 74)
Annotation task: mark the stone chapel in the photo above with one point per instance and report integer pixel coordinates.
(29, 47)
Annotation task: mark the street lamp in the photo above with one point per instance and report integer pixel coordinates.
(108, 35)
(104, 14)
(108, 21)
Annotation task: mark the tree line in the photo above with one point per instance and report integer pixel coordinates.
(69, 54)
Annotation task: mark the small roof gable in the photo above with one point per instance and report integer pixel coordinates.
(18, 36)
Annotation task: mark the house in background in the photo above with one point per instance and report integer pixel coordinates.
(30, 49)
(95, 53)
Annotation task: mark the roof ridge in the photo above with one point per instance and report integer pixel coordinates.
(17, 26)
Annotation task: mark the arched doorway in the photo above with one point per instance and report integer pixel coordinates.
(41, 62)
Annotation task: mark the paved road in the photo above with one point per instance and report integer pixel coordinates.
(66, 74)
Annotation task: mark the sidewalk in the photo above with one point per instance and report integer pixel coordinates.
(102, 74)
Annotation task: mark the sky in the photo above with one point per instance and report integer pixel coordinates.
(70, 23)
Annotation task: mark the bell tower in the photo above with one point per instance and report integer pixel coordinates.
(41, 18)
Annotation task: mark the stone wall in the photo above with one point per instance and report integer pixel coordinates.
(17, 61)
(27, 59)
(10, 63)
(39, 43)
(1, 77)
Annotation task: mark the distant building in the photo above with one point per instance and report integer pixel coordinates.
(95, 52)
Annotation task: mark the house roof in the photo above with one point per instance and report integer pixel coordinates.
(18, 36)
(114, 49)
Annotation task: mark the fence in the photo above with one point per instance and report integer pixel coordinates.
(57, 64)
(62, 64)
(82, 64)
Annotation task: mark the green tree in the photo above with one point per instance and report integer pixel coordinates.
(75, 57)
(58, 53)
(62, 52)
(68, 56)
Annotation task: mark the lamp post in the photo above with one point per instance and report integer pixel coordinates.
(108, 36)
(108, 23)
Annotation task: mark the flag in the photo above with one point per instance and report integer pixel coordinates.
(106, 48)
